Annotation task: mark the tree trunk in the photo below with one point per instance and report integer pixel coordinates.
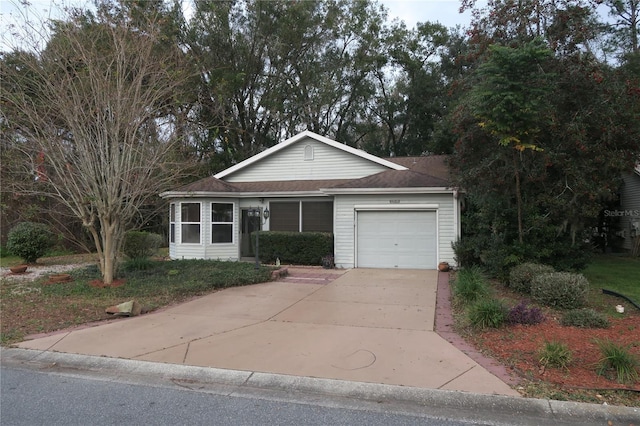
(107, 247)
(518, 196)
(110, 242)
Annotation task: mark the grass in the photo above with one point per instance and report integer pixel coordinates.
(617, 273)
(618, 360)
(470, 285)
(487, 313)
(555, 354)
(34, 307)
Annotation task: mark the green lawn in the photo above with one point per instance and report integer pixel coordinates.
(36, 307)
(618, 273)
(6, 261)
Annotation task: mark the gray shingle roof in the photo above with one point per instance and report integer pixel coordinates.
(430, 171)
(396, 179)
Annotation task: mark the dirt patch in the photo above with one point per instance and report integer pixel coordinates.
(101, 284)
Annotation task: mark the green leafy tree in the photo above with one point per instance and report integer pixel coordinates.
(624, 31)
(510, 101)
(565, 157)
(272, 69)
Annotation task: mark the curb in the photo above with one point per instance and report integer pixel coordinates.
(461, 405)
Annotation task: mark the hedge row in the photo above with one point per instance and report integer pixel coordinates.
(298, 248)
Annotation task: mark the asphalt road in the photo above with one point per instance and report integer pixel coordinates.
(39, 398)
(54, 388)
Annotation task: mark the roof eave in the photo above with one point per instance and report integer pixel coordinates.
(193, 194)
(239, 194)
(418, 190)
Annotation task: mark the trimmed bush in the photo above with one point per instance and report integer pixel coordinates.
(563, 290)
(487, 313)
(140, 244)
(470, 285)
(520, 277)
(297, 248)
(585, 318)
(523, 314)
(30, 240)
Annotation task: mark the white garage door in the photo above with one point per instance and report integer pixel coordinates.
(396, 239)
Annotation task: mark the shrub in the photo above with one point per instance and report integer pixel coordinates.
(563, 290)
(555, 354)
(619, 360)
(487, 313)
(470, 285)
(520, 277)
(298, 248)
(585, 317)
(30, 240)
(523, 314)
(140, 244)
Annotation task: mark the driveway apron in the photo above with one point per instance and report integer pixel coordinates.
(365, 325)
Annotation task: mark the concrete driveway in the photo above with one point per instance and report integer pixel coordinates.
(364, 325)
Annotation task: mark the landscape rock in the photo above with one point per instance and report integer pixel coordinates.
(128, 309)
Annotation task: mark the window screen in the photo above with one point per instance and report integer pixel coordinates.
(285, 216)
(317, 216)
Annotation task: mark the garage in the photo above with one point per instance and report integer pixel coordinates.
(396, 239)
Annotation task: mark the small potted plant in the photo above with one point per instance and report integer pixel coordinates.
(444, 267)
(327, 262)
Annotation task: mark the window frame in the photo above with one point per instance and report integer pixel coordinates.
(231, 223)
(172, 223)
(199, 223)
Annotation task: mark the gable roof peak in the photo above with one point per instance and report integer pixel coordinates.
(301, 136)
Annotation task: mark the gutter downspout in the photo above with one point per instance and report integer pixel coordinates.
(456, 214)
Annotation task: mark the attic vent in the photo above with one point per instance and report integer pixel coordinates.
(308, 153)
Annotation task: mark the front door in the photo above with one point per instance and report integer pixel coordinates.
(249, 224)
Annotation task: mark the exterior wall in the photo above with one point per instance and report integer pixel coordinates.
(205, 249)
(630, 208)
(345, 222)
(290, 164)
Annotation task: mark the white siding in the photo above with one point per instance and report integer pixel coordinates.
(630, 197)
(290, 164)
(206, 250)
(344, 222)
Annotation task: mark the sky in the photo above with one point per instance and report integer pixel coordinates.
(409, 11)
(413, 11)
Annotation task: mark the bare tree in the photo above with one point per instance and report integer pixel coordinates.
(99, 112)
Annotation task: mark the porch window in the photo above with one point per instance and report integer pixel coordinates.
(301, 216)
(172, 223)
(190, 223)
(221, 223)
(285, 216)
(317, 216)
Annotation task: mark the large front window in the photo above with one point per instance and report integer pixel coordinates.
(221, 222)
(190, 223)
